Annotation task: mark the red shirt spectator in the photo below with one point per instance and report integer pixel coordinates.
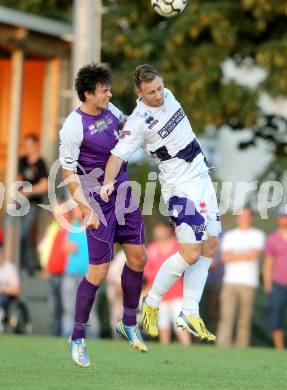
(156, 255)
(58, 257)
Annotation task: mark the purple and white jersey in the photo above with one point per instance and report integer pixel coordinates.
(86, 142)
(166, 134)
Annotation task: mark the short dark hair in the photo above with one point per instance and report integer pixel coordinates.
(89, 76)
(145, 73)
(32, 137)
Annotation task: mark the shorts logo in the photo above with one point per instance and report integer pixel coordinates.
(218, 217)
(199, 228)
(203, 207)
(172, 123)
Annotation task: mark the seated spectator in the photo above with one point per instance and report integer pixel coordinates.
(240, 251)
(9, 286)
(275, 277)
(164, 245)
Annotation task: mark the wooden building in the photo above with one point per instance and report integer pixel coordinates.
(35, 69)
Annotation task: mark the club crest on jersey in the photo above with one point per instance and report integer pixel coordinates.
(143, 115)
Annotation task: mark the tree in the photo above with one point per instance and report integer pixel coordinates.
(189, 50)
(56, 9)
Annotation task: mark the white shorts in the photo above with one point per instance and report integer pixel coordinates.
(168, 311)
(193, 210)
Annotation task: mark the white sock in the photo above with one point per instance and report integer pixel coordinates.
(167, 275)
(194, 280)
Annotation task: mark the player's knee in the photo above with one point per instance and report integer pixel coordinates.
(137, 260)
(97, 273)
(191, 255)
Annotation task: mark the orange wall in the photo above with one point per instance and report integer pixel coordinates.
(5, 82)
(33, 89)
(32, 100)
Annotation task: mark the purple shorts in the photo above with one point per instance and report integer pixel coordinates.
(116, 226)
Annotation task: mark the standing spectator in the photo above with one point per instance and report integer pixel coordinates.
(163, 246)
(76, 247)
(32, 168)
(9, 286)
(53, 246)
(241, 248)
(275, 277)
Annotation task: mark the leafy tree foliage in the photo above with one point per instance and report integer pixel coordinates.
(189, 51)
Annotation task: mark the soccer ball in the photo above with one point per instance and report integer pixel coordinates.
(168, 8)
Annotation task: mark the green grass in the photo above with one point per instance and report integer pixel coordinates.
(44, 363)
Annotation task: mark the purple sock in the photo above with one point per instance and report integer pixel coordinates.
(84, 301)
(131, 285)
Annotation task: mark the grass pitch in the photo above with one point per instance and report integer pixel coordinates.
(33, 362)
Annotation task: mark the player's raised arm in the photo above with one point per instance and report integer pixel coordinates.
(130, 142)
(111, 172)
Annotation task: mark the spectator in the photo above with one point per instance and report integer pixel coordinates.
(163, 246)
(275, 277)
(53, 243)
(76, 247)
(9, 286)
(241, 248)
(31, 168)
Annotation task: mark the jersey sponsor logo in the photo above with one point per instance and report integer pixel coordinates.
(172, 123)
(101, 125)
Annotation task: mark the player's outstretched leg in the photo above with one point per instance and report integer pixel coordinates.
(167, 275)
(84, 301)
(127, 328)
(193, 285)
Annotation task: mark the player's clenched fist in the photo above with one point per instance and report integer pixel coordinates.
(90, 219)
(106, 191)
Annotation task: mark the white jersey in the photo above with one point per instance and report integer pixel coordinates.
(166, 134)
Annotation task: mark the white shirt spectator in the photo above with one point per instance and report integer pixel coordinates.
(242, 272)
(8, 274)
